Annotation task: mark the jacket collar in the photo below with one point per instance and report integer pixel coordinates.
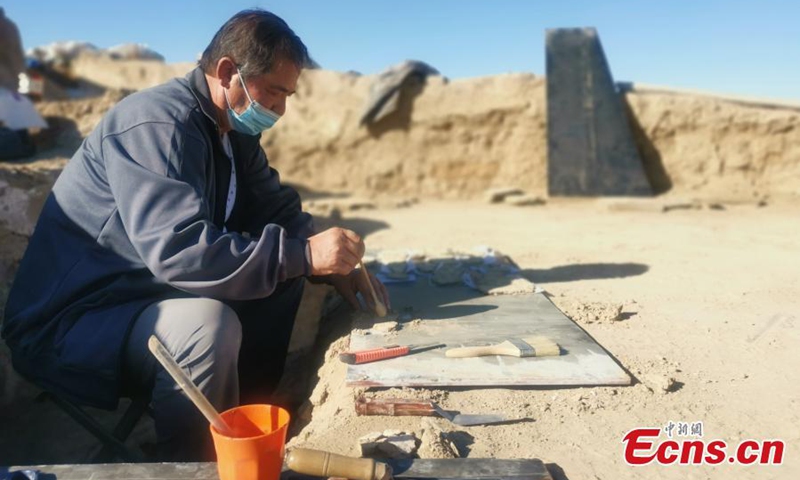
(199, 87)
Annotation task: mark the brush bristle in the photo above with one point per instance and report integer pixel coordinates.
(543, 346)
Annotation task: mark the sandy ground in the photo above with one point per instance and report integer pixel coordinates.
(708, 298)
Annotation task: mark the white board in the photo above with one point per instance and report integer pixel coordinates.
(459, 316)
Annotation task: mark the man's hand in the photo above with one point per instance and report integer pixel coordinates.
(349, 285)
(335, 251)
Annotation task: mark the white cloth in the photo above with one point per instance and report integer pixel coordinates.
(226, 145)
(17, 112)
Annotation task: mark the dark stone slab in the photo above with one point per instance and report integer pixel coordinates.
(591, 150)
(468, 468)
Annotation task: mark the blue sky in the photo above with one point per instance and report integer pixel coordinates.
(744, 48)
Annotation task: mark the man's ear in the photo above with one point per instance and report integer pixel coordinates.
(226, 69)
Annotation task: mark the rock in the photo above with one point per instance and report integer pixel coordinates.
(659, 383)
(624, 204)
(389, 444)
(593, 312)
(525, 200)
(385, 327)
(406, 203)
(416, 323)
(435, 443)
(319, 395)
(514, 286)
(690, 205)
(497, 282)
(394, 275)
(360, 205)
(448, 274)
(499, 195)
(428, 266)
(396, 261)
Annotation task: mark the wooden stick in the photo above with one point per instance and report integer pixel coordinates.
(380, 308)
(183, 381)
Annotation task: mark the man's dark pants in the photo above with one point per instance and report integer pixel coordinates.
(234, 351)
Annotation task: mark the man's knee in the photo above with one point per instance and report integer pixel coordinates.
(218, 327)
(200, 324)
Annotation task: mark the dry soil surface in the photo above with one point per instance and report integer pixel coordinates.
(700, 305)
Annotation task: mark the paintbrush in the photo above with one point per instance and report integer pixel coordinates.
(514, 347)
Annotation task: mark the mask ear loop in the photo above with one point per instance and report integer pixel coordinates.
(225, 92)
(241, 80)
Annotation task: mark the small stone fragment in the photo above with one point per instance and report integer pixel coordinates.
(319, 395)
(435, 443)
(427, 266)
(397, 275)
(496, 282)
(447, 274)
(356, 205)
(525, 200)
(659, 383)
(385, 327)
(388, 444)
(498, 195)
(691, 205)
(394, 260)
(413, 324)
(405, 203)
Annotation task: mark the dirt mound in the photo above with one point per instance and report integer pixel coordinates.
(126, 74)
(716, 148)
(446, 140)
(72, 120)
(457, 139)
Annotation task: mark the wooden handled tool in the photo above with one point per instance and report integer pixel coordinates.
(380, 308)
(393, 407)
(191, 390)
(391, 351)
(325, 464)
(400, 407)
(514, 347)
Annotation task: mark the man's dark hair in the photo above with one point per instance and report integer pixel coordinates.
(255, 40)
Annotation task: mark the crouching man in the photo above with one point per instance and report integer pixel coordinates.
(168, 220)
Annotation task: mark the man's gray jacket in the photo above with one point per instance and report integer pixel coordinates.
(136, 216)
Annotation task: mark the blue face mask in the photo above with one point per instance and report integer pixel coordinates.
(255, 119)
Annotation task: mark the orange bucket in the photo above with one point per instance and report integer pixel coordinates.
(255, 451)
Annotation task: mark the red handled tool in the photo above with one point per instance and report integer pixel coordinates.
(389, 351)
